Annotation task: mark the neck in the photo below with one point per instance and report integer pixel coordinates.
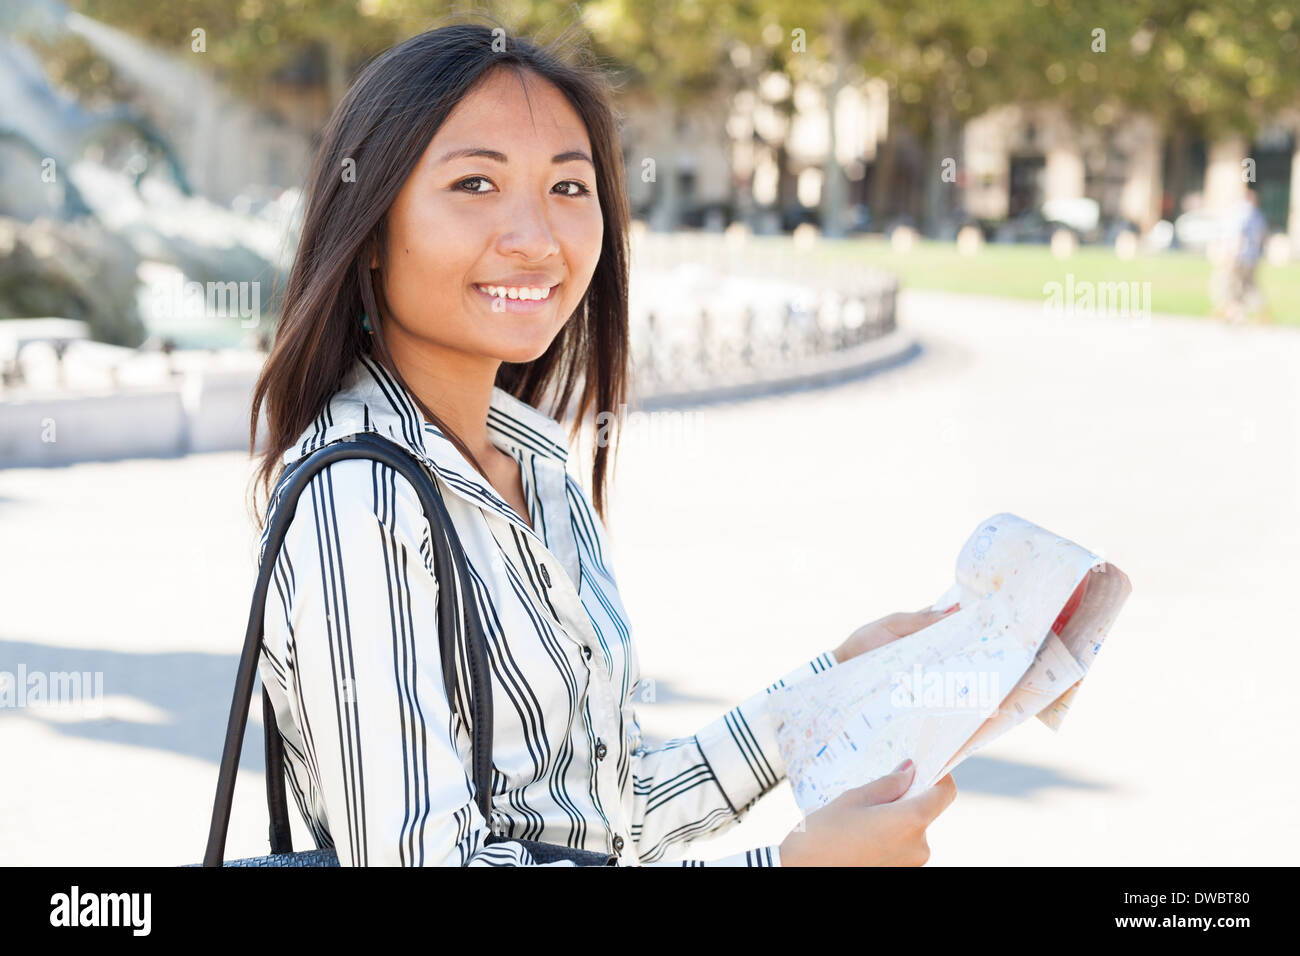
(456, 387)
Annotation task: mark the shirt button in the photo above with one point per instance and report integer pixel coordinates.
(586, 652)
(618, 844)
(546, 575)
(601, 750)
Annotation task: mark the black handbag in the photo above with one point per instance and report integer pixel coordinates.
(448, 555)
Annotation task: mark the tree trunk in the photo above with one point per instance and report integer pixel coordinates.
(936, 151)
(336, 72)
(1177, 171)
(833, 185)
(667, 212)
(882, 203)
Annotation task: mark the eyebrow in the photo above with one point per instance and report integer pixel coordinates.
(499, 157)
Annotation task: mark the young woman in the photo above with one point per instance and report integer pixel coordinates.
(463, 256)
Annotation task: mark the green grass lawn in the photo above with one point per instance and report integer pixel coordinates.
(1179, 280)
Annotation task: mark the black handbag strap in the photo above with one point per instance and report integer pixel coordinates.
(447, 552)
(276, 805)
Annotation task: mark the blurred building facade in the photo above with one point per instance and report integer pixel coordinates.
(739, 157)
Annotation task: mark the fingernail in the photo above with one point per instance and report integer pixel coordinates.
(904, 765)
(953, 608)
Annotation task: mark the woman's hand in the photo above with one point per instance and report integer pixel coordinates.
(879, 633)
(870, 826)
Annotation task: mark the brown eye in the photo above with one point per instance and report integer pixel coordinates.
(582, 190)
(472, 179)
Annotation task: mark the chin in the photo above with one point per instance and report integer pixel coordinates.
(523, 341)
(520, 350)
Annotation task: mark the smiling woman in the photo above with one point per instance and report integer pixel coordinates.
(460, 176)
(493, 239)
(506, 183)
(483, 243)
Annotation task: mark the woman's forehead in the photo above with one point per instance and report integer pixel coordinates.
(509, 131)
(506, 101)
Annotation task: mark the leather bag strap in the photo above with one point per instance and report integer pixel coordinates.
(448, 554)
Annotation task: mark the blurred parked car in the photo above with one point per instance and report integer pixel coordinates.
(1195, 230)
(1082, 215)
(857, 218)
(797, 214)
(1029, 226)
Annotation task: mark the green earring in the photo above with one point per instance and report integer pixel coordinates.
(365, 323)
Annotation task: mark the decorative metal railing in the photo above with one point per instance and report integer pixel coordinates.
(707, 311)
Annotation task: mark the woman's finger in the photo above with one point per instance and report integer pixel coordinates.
(939, 612)
(888, 788)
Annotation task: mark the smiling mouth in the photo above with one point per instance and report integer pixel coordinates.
(517, 293)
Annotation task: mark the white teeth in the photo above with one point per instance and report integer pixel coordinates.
(510, 292)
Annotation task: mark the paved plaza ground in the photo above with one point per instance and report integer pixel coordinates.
(747, 537)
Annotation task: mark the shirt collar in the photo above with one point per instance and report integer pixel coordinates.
(371, 400)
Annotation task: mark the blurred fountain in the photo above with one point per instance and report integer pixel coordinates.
(84, 193)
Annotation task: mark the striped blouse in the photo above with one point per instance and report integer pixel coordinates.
(377, 760)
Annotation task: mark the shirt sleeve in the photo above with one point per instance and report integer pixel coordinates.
(355, 626)
(704, 784)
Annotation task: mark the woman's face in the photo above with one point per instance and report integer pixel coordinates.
(519, 210)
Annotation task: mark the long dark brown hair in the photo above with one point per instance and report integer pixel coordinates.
(383, 125)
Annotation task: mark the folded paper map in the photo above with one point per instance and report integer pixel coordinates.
(1035, 609)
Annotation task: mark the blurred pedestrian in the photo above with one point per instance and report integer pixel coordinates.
(1248, 230)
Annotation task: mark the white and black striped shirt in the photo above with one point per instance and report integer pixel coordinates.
(378, 761)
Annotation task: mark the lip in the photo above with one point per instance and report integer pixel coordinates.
(518, 306)
(532, 280)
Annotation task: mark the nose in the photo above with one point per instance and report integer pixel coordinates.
(527, 232)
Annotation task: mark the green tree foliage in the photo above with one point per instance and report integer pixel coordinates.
(1202, 68)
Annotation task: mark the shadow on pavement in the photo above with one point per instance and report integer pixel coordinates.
(1010, 778)
(183, 698)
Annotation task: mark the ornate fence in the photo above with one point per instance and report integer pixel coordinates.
(707, 310)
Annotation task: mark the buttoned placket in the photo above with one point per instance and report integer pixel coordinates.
(571, 615)
(551, 486)
(602, 705)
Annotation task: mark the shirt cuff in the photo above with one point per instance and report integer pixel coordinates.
(761, 856)
(741, 746)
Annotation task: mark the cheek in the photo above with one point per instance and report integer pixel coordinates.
(428, 259)
(582, 244)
